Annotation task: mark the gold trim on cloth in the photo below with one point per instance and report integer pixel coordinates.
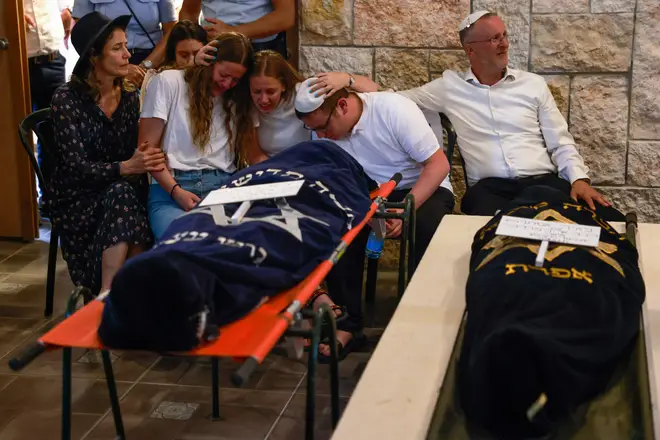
(500, 244)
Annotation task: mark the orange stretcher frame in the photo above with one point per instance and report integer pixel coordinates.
(249, 339)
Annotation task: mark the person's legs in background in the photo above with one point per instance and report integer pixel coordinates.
(428, 217)
(47, 74)
(607, 213)
(345, 288)
(212, 180)
(489, 195)
(551, 180)
(163, 210)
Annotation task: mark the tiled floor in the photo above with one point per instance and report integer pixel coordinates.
(162, 398)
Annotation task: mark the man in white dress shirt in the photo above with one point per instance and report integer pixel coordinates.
(47, 24)
(510, 131)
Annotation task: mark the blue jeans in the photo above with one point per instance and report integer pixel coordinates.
(163, 209)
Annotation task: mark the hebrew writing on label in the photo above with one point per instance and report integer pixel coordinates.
(555, 232)
(252, 192)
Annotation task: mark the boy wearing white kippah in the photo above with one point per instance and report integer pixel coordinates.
(386, 133)
(510, 132)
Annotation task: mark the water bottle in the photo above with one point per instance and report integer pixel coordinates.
(374, 246)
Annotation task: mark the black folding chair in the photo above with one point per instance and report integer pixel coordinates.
(39, 123)
(452, 145)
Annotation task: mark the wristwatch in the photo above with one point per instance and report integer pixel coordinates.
(146, 64)
(351, 81)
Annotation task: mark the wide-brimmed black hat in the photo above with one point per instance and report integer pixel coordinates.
(88, 30)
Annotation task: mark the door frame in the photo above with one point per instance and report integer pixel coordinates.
(21, 106)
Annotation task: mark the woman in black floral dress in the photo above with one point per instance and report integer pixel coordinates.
(98, 188)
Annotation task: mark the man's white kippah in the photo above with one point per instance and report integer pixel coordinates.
(306, 102)
(471, 19)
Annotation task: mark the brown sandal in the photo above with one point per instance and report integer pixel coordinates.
(343, 314)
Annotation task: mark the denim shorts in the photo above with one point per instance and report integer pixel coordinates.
(163, 209)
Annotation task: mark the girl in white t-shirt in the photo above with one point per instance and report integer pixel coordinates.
(199, 135)
(273, 86)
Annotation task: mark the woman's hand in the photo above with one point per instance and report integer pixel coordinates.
(327, 83)
(135, 75)
(185, 199)
(206, 55)
(146, 159)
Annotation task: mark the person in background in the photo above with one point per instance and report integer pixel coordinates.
(510, 132)
(47, 24)
(97, 194)
(184, 41)
(194, 117)
(387, 134)
(273, 87)
(151, 22)
(265, 22)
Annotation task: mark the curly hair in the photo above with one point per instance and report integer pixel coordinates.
(233, 48)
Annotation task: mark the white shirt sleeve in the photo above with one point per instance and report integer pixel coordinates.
(430, 96)
(558, 140)
(411, 129)
(159, 99)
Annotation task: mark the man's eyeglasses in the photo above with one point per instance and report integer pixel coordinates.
(324, 127)
(495, 41)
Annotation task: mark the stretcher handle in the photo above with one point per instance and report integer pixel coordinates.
(243, 373)
(397, 178)
(22, 361)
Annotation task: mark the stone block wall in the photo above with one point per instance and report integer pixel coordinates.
(601, 59)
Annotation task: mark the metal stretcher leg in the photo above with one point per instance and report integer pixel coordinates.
(405, 234)
(66, 393)
(412, 229)
(215, 385)
(78, 292)
(311, 376)
(310, 414)
(334, 363)
(112, 390)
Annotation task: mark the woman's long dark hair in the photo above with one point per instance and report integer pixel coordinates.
(183, 30)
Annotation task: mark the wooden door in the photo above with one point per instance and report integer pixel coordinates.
(18, 214)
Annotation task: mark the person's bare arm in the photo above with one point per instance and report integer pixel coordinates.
(281, 19)
(436, 168)
(151, 132)
(190, 10)
(255, 154)
(327, 83)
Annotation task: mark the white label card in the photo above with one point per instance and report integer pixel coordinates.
(252, 192)
(556, 232)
